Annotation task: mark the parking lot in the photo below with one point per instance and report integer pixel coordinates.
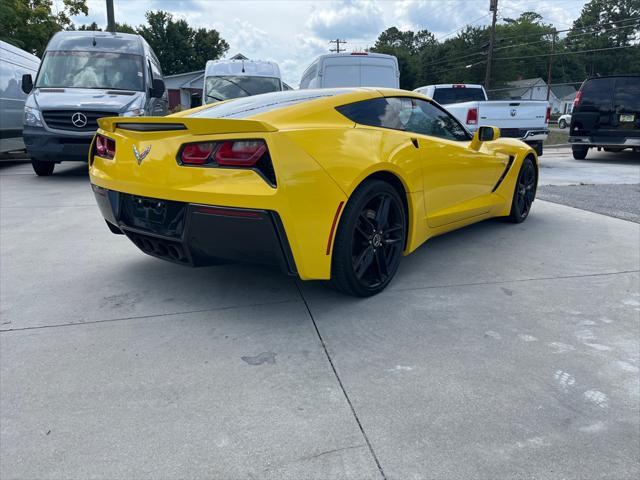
(499, 351)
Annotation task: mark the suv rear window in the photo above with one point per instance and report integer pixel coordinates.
(627, 94)
(596, 95)
(448, 95)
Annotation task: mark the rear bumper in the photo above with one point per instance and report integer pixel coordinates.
(56, 147)
(525, 134)
(198, 235)
(624, 142)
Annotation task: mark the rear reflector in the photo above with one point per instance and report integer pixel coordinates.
(547, 118)
(472, 116)
(229, 212)
(576, 101)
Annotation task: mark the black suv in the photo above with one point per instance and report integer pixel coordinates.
(606, 114)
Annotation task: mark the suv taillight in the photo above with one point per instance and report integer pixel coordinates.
(547, 118)
(576, 101)
(105, 147)
(251, 153)
(472, 116)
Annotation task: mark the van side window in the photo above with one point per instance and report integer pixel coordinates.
(155, 70)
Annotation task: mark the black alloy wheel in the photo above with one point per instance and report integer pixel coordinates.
(525, 192)
(562, 123)
(370, 240)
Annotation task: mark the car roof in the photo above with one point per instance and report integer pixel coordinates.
(96, 41)
(277, 107)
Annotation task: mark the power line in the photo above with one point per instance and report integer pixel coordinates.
(464, 26)
(505, 47)
(568, 52)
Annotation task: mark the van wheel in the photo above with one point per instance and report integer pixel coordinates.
(579, 153)
(42, 169)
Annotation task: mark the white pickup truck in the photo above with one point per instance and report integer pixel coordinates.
(527, 120)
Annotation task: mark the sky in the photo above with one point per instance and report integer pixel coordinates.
(293, 32)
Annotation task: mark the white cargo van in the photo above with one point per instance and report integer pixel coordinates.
(357, 69)
(226, 79)
(14, 63)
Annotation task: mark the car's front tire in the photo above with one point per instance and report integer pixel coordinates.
(370, 239)
(579, 153)
(42, 169)
(562, 123)
(524, 193)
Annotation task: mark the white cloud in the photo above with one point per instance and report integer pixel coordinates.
(346, 19)
(294, 33)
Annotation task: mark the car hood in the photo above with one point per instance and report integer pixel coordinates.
(87, 99)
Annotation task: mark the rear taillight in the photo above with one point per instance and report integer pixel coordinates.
(105, 147)
(576, 101)
(251, 153)
(197, 153)
(547, 118)
(240, 153)
(472, 116)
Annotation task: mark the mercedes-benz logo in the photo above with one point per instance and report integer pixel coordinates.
(79, 119)
(513, 112)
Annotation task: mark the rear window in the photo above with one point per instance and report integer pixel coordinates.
(627, 94)
(445, 96)
(596, 95)
(254, 105)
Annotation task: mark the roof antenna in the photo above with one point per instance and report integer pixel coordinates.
(243, 65)
(94, 40)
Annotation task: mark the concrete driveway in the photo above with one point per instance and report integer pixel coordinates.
(500, 351)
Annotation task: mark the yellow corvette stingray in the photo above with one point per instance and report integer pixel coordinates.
(326, 184)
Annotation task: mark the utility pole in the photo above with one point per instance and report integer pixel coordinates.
(553, 47)
(493, 7)
(337, 41)
(111, 22)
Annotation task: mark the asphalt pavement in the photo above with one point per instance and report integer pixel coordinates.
(500, 351)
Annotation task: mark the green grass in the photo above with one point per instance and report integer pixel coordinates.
(556, 138)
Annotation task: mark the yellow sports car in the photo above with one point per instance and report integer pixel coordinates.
(332, 184)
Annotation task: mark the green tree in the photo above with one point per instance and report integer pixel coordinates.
(93, 27)
(610, 24)
(29, 24)
(406, 46)
(179, 47)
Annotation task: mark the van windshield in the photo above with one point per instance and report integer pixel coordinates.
(227, 87)
(77, 69)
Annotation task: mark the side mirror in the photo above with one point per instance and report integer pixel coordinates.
(157, 90)
(27, 83)
(484, 134)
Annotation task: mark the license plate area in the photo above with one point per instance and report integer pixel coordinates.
(627, 118)
(161, 217)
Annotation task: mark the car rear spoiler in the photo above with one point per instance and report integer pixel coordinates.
(196, 126)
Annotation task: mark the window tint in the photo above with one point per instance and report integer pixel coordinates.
(226, 87)
(406, 114)
(445, 96)
(627, 94)
(596, 95)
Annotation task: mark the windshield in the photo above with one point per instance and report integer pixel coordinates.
(224, 88)
(445, 96)
(115, 71)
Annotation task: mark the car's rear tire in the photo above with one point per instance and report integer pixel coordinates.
(524, 192)
(579, 153)
(562, 123)
(370, 239)
(42, 169)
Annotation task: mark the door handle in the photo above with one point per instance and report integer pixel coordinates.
(415, 142)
